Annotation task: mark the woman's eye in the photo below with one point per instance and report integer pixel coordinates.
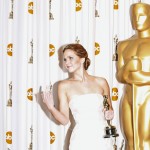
(70, 58)
(64, 59)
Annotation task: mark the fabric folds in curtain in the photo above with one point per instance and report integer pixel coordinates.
(32, 36)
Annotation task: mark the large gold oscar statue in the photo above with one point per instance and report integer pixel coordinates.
(133, 70)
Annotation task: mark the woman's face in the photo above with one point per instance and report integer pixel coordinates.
(72, 62)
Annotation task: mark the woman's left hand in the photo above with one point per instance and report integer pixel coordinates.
(109, 114)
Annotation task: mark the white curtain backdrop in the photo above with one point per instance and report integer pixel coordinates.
(32, 36)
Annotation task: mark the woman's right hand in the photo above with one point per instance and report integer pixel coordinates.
(47, 97)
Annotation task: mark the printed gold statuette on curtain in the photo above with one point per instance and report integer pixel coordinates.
(9, 102)
(133, 70)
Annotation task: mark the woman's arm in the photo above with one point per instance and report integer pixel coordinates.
(109, 114)
(61, 115)
(107, 93)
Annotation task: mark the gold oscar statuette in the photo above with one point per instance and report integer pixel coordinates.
(133, 70)
(115, 55)
(50, 13)
(31, 145)
(96, 11)
(11, 12)
(31, 57)
(77, 40)
(110, 130)
(9, 102)
(122, 144)
(115, 145)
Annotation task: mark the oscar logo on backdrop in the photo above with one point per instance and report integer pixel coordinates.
(78, 5)
(114, 94)
(9, 137)
(52, 137)
(133, 70)
(51, 50)
(30, 94)
(115, 4)
(30, 7)
(97, 48)
(10, 49)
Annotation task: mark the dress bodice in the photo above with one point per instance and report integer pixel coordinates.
(89, 117)
(87, 107)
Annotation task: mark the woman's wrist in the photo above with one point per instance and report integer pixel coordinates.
(111, 108)
(51, 108)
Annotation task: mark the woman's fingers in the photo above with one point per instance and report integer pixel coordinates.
(45, 96)
(104, 109)
(109, 115)
(42, 95)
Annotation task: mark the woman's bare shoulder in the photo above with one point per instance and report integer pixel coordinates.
(65, 87)
(100, 80)
(64, 83)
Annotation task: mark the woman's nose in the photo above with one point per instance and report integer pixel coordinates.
(66, 62)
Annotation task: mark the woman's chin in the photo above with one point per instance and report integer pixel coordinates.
(70, 71)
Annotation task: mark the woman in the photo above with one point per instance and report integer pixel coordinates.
(83, 94)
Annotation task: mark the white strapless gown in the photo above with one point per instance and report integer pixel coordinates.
(90, 123)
